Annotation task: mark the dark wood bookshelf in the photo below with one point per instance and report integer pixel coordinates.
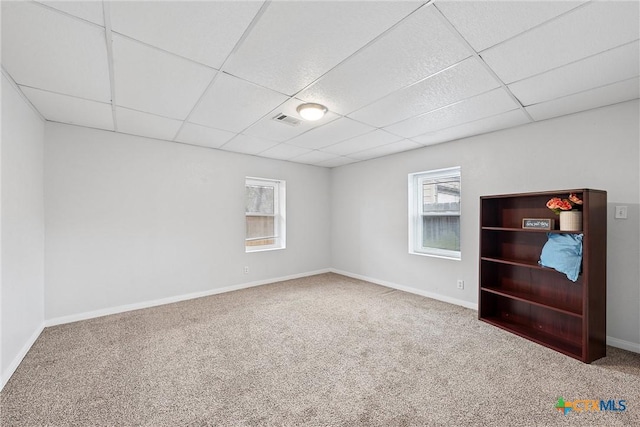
(535, 302)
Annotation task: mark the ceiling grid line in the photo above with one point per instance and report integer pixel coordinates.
(475, 54)
(66, 14)
(363, 47)
(574, 62)
(585, 91)
(106, 10)
(394, 75)
(294, 96)
(13, 83)
(242, 38)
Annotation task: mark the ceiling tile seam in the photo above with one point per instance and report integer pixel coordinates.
(67, 14)
(161, 50)
(289, 139)
(340, 116)
(319, 127)
(553, 18)
(378, 146)
(312, 150)
(255, 84)
(13, 83)
(151, 114)
(636, 77)
(363, 47)
(196, 105)
(457, 34)
(438, 109)
(573, 62)
(422, 80)
(252, 25)
(587, 90)
(457, 125)
(428, 144)
(199, 125)
(353, 137)
(272, 147)
(106, 11)
(194, 145)
(88, 127)
(243, 37)
(64, 94)
(246, 33)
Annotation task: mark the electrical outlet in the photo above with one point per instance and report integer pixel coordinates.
(246, 269)
(621, 212)
(460, 284)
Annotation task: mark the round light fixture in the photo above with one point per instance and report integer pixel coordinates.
(311, 111)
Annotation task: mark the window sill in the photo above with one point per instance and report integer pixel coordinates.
(451, 257)
(248, 251)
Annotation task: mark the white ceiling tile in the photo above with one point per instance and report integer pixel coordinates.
(205, 31)
(279, 131)
(362, 142)
(68, 109)
(284, 152)
(384, 150)
(204, 136)
(486, 23)
(599, 97)
(335, 162)
(294, 43)
(248, 144)
(233, 104)
(314, 157)
(488, 104)
(418, 47)
(143, 124)
(466, 79)
(614, 65)
(335, 131)
(87, 10)
(587, 30)
(501, 121)
(45, 49)
(150, 80)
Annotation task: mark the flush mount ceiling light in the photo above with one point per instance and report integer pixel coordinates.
(311, 111)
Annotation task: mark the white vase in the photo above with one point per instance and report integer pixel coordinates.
(570, 221)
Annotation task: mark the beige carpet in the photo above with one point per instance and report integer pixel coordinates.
(321, 351)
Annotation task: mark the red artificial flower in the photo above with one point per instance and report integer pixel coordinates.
(574, 199)
(556, 204)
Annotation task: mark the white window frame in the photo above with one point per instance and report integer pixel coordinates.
(280, 209)
(416, 213)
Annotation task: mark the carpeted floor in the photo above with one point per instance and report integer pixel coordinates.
(325, 350)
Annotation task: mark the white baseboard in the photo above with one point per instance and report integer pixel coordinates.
(625, 345)
(613, 342)
(18, 359)
(153, 303)
(5, 376)
(409, 289)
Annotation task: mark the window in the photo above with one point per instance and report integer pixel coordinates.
(264, 214)
(434, 213)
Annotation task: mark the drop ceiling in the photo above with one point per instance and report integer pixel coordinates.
(395, 75)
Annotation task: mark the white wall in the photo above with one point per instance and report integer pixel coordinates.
(131, 220)
(22, 225)
(595, 149)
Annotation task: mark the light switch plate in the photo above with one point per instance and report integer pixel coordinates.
(621, 212)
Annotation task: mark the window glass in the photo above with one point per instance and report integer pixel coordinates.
(434, 213)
